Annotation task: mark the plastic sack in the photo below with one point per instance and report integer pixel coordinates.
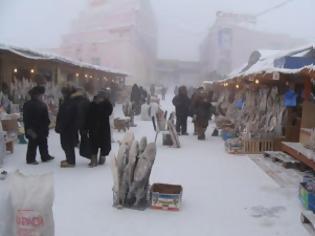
(146, 112)
(6, 216)
(32, 200)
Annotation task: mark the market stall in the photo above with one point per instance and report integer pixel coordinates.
(266, 102)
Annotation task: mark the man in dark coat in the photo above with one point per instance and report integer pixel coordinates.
(143, 94)
(182, 104)
(36, 124)
(99, 127)
(202, 109)
(67, 126)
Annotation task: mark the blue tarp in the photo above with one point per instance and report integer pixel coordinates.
(296, 62)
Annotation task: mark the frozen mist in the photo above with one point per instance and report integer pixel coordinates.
(223, 194)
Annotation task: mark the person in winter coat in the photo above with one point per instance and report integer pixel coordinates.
(202, 109)
(194, 98)
(67, 126)
(144, 95)
(99, 128)
(36, 125)
(135, 98)
(163, 91)
(152, 90)
(181, 103)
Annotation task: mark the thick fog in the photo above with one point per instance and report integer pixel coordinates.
(182, 23)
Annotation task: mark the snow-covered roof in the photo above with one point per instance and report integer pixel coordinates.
(37, 55)
(267, 62)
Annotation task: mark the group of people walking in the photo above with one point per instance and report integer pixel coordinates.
(84, 123)
(198, 106)
(78, 118)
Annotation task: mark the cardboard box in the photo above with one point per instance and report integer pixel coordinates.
(305, 136)
(308, 115)
(166, 197)
(10, 126)
(292, 133)
(307, 198)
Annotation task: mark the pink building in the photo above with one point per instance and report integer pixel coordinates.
(120, 34)
(232, 39)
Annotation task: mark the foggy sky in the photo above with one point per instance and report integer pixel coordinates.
(182, 23)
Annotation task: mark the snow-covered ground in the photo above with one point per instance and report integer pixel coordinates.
(224, 195)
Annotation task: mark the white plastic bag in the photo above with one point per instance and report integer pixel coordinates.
(6, 216)
(32, 200)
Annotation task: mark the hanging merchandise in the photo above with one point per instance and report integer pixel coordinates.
(239, 104)
(290, 98)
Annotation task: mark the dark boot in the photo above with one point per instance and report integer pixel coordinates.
(66, 164)
(93, 162)
(102, 160)
(48, 158)
(202, 137)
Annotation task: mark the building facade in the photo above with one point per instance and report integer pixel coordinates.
(232, 39)
(174, 72)
(120, 34)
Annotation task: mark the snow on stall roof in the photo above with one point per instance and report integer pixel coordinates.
(267, 60)
(37, 55)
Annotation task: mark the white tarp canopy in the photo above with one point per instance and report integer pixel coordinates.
(266, 62)
(36, 55)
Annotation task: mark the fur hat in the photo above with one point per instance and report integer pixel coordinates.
(36, 91)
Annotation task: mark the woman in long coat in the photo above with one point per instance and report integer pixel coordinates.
(99, 127)
(67, 126)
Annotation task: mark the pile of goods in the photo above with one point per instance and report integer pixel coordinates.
(128, 110)
(122, 124)
(131, 171)
(149, 110)
(251, 113)
(167, 128)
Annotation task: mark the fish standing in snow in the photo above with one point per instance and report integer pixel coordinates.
(142, 173)
(143, 144)
(128, 139)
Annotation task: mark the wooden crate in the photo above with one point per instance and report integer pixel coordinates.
(10, 125)
(258, 146)
(122, 124)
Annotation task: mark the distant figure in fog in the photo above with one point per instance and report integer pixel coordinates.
(135, 99)
(163, 91)
(152, 90)
(144, 95)
(182, 104)
(191, 91)
(36, 124)
(202, 110)
(99, 128)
